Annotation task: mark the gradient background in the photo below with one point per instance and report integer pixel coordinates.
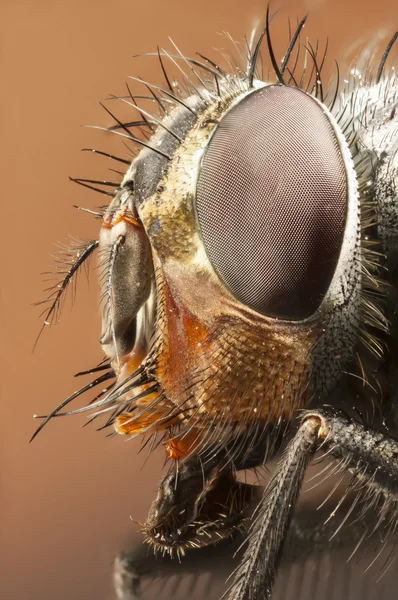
(66, 499)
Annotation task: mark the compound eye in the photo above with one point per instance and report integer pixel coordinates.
(271, 202)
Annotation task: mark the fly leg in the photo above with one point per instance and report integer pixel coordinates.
(372, 458)
(128, 570)
(370, 455)
(135, 570)
(255, 575)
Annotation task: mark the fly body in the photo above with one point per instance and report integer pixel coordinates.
(248, 276)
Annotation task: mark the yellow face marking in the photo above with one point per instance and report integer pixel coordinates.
(111, 219)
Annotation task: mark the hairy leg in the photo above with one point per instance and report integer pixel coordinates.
(370, 455)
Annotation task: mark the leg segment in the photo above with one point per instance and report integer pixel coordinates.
(370, 455)
(309, 538)
(254, 577)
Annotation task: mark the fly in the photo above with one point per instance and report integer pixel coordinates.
(244, 286)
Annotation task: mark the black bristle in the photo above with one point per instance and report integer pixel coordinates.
(112, 156)
(275, 66)
(292, 43)
(385, 56)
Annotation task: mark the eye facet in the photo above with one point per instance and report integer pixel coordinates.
(271, 202)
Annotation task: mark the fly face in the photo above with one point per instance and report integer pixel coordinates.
(254, 232)
(240, 272)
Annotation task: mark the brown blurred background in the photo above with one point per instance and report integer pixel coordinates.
(67, 498)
